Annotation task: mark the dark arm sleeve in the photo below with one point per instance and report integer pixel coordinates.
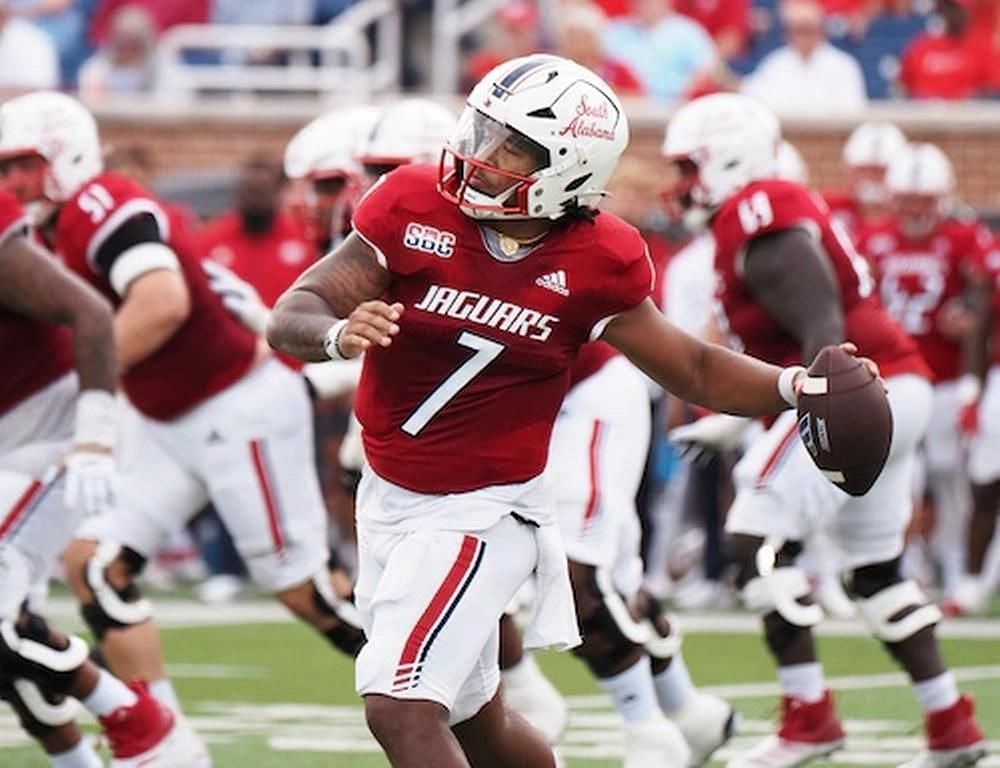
(138, 229)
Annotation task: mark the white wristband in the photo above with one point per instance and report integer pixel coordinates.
(331, 341)
(786, 381)
(969, 388)
(96, 418)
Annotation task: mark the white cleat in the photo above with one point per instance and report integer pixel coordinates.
(707, 722)
(809, 731)
(655, 743)
(529, 693)
(184, 748)
(775, 752)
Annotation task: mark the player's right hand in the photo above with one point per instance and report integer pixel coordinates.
(371, 324)
(238, 296)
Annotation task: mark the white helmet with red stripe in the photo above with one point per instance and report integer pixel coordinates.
(553, 110)
(873, 144)
(59, 129)
(409, 131)
(328, 146)
(722, 142)
(922, 180)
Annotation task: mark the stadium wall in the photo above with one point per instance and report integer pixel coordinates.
(214, 137)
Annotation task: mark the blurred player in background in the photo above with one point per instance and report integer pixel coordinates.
(790, 283)
(210, 415)
(57, 433)
(471, 287)
(866, 157)
(927, 264)
(981, 422)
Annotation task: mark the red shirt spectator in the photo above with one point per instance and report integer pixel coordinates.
(165, 14)
(516, 28)
(951, 65)
(727, 21)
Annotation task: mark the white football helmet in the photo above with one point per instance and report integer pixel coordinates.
(722, 142)
(873, 144)
(543, 107)
(409, 131)
(922, 180)
(59, 129)
(791, 166)
(328, 146)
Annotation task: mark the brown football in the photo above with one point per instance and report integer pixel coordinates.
(845, 421)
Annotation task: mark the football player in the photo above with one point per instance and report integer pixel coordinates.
(866, 156)
(927, 264)
(471, 287)
(209, 415)
(57, 431)
(789, 283)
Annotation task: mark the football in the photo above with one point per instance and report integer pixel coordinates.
(844, 420)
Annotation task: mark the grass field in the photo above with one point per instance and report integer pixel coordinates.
(272, 695)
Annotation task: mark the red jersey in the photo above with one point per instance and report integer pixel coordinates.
(846, 212)
(942, 67)
(718, 16)
(37, 353)
(772, 206)
(210, 350)
(918, 278)
(269, 261)
(591, 359)
(466, 395)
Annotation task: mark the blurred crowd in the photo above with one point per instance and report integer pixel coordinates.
(798, 56)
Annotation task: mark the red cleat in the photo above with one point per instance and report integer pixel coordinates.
(954, 739)
(137, 733)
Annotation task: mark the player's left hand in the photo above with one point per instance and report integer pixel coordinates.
(371, 324)
(91, 479)
(238, 296)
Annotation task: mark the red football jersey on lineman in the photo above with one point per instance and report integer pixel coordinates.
(772, 206)
(591, 359)
(36, 353)
(210, 351)
(918, 278)
(991, 266)
(466, 395)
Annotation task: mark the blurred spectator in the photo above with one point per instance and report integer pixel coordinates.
(166, 14)
(515, 34)
(727, 21)
(258, 241)
(28, 56)
(665, 49)
(949, 62)
(808, 75)
(65, 21)
(578, 37)
(126, 61)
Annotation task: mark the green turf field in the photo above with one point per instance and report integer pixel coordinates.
(273, 696)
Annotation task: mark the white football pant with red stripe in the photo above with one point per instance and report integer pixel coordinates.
(781, 493)
(249, 451)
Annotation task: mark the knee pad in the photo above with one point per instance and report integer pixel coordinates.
(28, 650)
(39, 713)
(894, 609)
(114, 608)
(610, 632)
(347, 635)
(778, 585)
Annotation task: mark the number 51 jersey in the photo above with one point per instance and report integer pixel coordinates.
(466, 395)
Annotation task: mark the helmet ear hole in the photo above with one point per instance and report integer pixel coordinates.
(576, 183)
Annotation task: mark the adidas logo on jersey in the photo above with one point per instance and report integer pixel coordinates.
(554, 281)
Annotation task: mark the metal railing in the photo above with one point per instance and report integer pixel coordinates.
(340, 58)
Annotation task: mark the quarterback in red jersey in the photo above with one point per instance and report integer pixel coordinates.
(57, 429)
(210, 414)
(790, 282)
(928, 264)
(866, 157)
(471, 287)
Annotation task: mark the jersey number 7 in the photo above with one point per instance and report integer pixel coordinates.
(485, 352)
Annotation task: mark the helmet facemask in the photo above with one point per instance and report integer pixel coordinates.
(488, 169)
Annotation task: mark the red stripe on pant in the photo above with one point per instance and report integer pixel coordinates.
(774, 460)
(267, 494)
(21, 507)
(438, 604)
(594, 502)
